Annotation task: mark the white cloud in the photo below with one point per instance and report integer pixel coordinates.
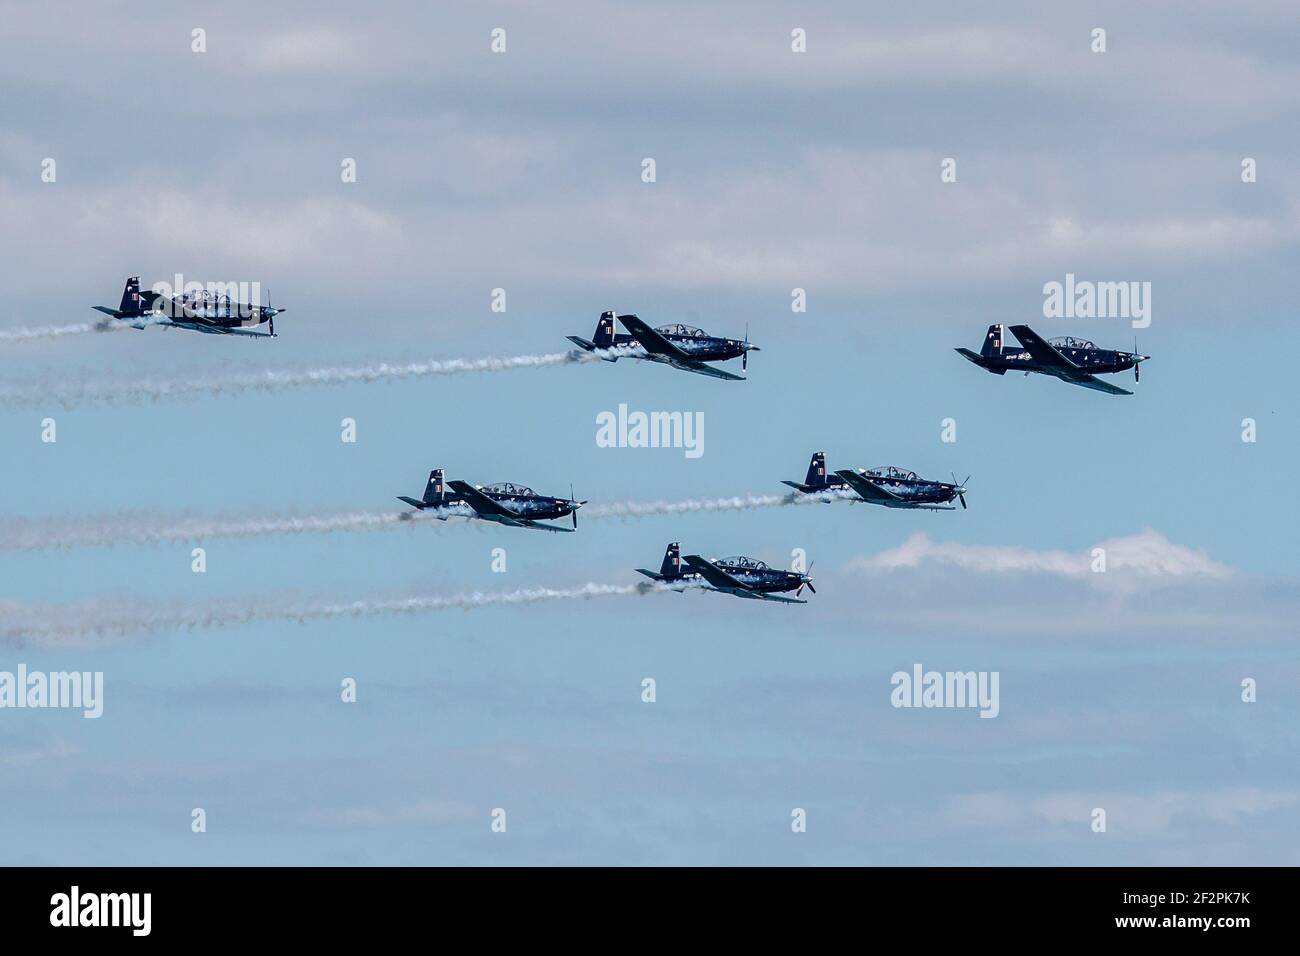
(1148, 556)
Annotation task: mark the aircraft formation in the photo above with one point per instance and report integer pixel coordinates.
(1071, 360)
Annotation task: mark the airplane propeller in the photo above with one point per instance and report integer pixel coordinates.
(807, 582)
(960, 489)
(270, 312)
(574, 505)
(1137, 365)
(744, 356)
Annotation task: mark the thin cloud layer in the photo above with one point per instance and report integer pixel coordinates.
(1127, 814)
(1148, 555)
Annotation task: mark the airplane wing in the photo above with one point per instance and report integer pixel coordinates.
(652, 341)
(732, 585)
(714, 574)
(1091, 381)
(761, 596)
(181, 314)
(481, 502)
(656, 345)
(249, 332)
(872, 492)
(1056, 363)
(864, 486)
(1042, 350)
(541, 525)
(723, 581)
(702, 369)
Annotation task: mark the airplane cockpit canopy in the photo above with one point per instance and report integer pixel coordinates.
(742, 563)
(1070, 342)
(679, 329)
(207, 302)
(508, 488)
(889, 471)
(206, 297)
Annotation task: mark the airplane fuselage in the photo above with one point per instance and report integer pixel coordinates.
(911, 492)
(531, 507)
(708, 348)
(765, 581)
(220, 319)
(772, 580)
(1092, 361)
(914, 491)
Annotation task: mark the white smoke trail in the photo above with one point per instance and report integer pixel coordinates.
(641, 509)
(20, 534)
(105, 621)
(37, 332)
(17, 534)
(45, 332)
(271, 380)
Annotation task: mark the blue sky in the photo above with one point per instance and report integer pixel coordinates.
(775, 171)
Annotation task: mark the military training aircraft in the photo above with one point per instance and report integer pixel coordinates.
(888, 486)
(680, 346)
(199, 311)
(505, 503)
(899, 488)
(740, 576)
(1065, 357)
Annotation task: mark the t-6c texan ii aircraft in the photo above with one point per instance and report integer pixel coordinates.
(680, 346)
(1065, 357)
(513, 505)
(198, 311)
(887, 485)
(740, 576)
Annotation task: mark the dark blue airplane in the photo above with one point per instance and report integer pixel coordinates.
(739, 576)
(680, 346)
(512, 505)
(887, 485)
(197, 311)
(1065, 357)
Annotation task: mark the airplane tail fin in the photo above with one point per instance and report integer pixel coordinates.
(130, 296)
(816, 470)
(435, 490)
(604, 337)
(672, 566)
(992, 342)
